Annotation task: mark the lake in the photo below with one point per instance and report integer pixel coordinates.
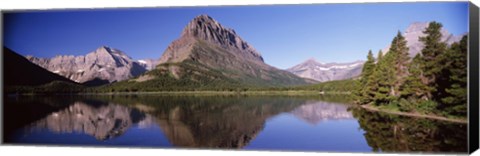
(280, 123)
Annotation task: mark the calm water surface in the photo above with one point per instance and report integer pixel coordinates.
(244, 122)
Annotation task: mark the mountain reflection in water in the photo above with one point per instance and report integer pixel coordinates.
(252, 122)
(220, 122)
(102, 122)
(315, 112)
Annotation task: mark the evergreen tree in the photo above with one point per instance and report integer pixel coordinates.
(368, 67)
(365, 92)
(384, 76)
(391, 71)
(401, 59)
(379, 55)
(432, 60)
(455, 100)
(414, 89)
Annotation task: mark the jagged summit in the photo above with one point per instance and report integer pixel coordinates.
(112, 51)
(206, 29)
(200, 23)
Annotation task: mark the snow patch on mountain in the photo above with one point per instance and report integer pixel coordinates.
(322, 72)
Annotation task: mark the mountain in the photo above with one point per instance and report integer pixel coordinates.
(18, 71)
(104, 65)
(327, 71)
(209, 54)
(415, 30)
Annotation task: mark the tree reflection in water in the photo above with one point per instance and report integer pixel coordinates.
(393, 133)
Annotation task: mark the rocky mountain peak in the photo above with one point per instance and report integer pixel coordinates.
(103, 50)
(106, 50)
(416, 27)
(108, 56)
(205, 28)
(200, 24)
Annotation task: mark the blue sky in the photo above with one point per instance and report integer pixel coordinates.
(285, 35)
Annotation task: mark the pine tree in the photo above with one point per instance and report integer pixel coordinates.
(414, 89)
(368, 67)
(432, 60)
(365, 92)
(399, 51)
(455, 100)
(392, 70)
(379, 55)
(384, 75)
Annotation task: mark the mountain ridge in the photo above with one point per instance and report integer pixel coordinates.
(323, 72)
(104, 64)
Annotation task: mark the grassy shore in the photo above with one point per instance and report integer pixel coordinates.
(418, 115)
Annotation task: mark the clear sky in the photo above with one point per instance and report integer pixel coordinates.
(285, 35)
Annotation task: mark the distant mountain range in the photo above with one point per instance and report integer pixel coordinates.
(206, 51)
(322, 72)
(104, 65)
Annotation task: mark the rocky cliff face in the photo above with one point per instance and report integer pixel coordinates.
(205, 46)
(327, 71)
(104, 63)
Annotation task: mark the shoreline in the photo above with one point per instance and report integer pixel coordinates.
(435, 117)
(206, 92)
(296, 92)
(266, 92)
